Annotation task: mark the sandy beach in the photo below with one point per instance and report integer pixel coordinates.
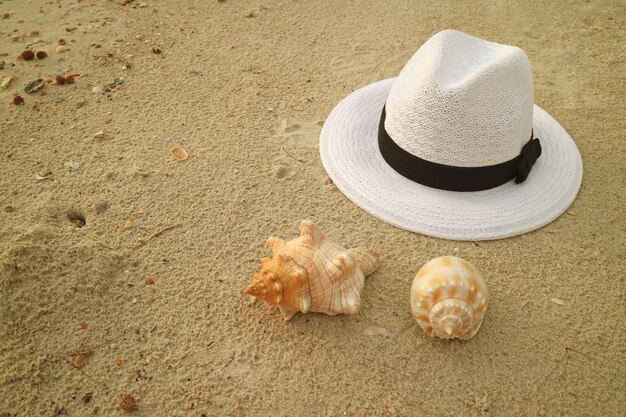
(122, 268)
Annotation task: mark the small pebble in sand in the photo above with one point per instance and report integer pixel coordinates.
(43, 175)
(17, 99)
(377, 331)
(128, 224)
(139, 172)
(61, 48)
(34, 85)
(11, 209)
(99, 135)
(72, 165)
(87, 397)
(6, 82)
(101, 206)
(179, 153)
(27, 54)
(128, 403)
(149, 281)
(2, 63)
(62, 41)
(41, 54)
(59, 80)
(113, 85)
(33, 33)
(119, 362)
(156, 51)
(83, 325)
(97, 90)
(78, 361)
(69, 79)
(558, 301)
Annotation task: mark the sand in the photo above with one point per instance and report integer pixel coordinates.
(244, 87)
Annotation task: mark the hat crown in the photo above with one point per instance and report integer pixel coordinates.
(462, 101)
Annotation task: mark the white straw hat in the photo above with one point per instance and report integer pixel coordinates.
(449, 148)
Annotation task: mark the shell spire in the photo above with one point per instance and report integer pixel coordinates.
(312, 273)
(449, 298)
(291, 291)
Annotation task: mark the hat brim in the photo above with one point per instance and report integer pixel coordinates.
(350, 155)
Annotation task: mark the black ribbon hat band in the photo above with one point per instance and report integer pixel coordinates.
(453, 178)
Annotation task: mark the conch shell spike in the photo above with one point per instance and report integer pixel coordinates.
(312, 273)
(265, 263)
(343, 264)
(310, 233)
(275, 244)
(367, 260)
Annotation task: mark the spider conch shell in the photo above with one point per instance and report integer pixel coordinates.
(449, 298)
(312, 273)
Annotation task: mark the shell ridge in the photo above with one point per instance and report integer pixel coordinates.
(338, 270)
(311, 234)
(287, 313)
(444, 296)
(297, 285)
(276, 245)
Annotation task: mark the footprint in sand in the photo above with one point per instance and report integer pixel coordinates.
(284, 165)
(296, 137)
(356, 61)
(370, 66)
(391, 64)
(299, 139)
(300, 134)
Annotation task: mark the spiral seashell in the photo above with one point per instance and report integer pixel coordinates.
(312, 273)
(449, 298)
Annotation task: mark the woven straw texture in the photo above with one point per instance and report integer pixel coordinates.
(350, 155)
(462, 101)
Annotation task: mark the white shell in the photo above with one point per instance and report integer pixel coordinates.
(449, 298)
